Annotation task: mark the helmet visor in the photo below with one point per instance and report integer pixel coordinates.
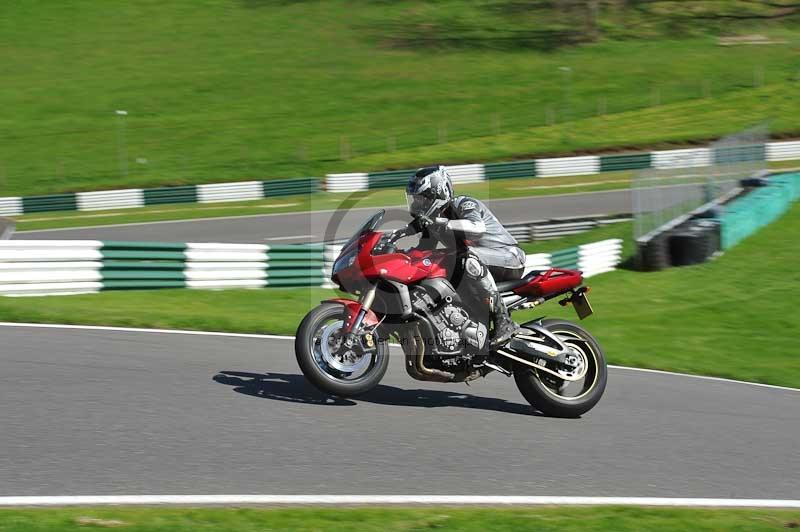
(418, 204)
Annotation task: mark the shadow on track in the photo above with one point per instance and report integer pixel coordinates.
(296, 389)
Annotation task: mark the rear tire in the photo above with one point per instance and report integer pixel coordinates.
(545, 398)
(334, 382)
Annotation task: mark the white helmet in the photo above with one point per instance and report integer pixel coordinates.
(429, 190)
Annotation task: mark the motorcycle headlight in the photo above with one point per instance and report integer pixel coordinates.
(344, 262)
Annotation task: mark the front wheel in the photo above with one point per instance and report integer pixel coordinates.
(560, 397)
(327, 360)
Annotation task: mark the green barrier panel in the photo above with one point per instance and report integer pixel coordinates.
(633, 161)
(289, 187)
(143, 255)
(565, 258)
(53, 202)
(510, 170)
(154, 246)
(142, 265)
(141, 285)
(179, 194)
(139, 275)
(390, 179)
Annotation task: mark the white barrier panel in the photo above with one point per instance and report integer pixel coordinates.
(346, 182)
(225, 256)
(26, 266)
(242, 191)
(688, 158)
(599, 257)
(10, 206)
(466, 173)
(49, 255)
(194, 246)
(568, 166)
(783, 151)
(50, 244)
(110, 199)
(536, 261)
(49, 289)
(217, 275)
(205, 266)
(237, 283)
(50, 276)
(611, 243)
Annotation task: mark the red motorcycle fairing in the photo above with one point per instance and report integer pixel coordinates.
(353, 308)
(401, 267)
(553, 281)
(416, 265)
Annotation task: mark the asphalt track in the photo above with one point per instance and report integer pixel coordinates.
(327, 225)
(107, 412)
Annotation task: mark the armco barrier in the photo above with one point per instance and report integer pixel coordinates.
(558, 227)
(351, 182)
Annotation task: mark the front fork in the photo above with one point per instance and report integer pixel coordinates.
(353, 325)
(364, 306)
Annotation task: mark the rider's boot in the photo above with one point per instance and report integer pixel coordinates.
(486, 289)
(504, 326)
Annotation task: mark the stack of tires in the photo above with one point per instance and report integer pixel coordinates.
(694, 242)
(653, 255)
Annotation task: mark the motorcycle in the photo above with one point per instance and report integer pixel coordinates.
(415, 297)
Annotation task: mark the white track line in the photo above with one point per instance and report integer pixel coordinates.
(284, 337)
(150, 500)
(704, 377)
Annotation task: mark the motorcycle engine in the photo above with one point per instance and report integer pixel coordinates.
(452, 325)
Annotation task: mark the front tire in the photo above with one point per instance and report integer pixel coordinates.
(546, 392)
(317, 358)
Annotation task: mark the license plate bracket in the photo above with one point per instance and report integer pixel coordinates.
(582, 306)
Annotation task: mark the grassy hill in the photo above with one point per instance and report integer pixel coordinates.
(236, 89)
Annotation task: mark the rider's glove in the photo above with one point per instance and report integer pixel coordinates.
(426, 222)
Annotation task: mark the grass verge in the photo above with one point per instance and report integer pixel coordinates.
(387, 519)
(257, 89)
(733, 317)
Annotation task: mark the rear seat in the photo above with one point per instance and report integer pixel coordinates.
(507, 286)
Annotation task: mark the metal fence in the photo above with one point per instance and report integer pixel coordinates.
(682, 183)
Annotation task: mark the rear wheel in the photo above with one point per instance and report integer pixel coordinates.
(569, 393)
(327, 360)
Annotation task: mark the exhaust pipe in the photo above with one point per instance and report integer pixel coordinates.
(415, 360)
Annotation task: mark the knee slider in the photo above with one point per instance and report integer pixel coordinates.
(474, 268)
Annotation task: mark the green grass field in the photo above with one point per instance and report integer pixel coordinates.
(242, 89)
(733, 317)
(584, 519)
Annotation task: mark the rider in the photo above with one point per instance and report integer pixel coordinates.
(492, 253)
